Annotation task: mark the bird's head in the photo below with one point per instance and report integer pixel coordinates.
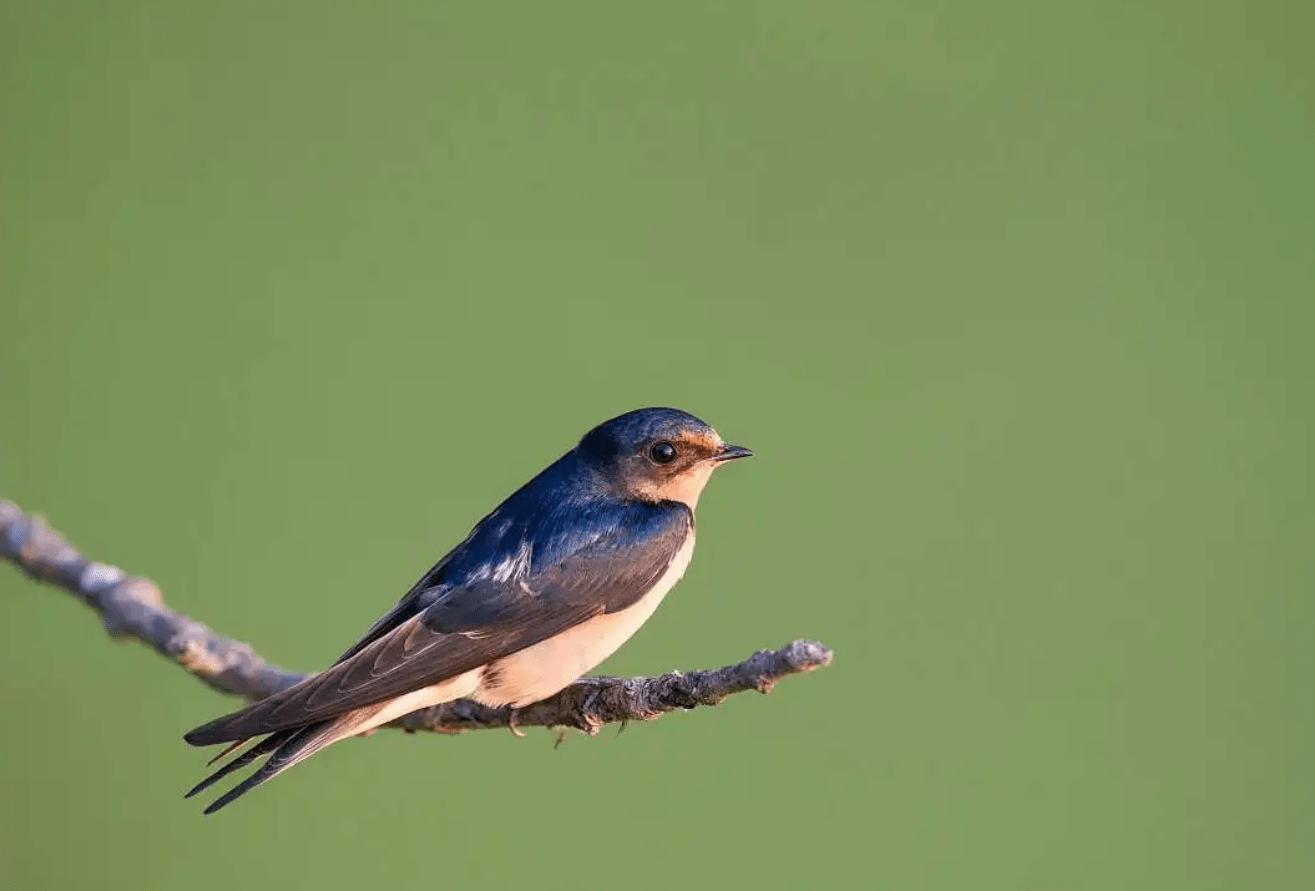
(657, 454)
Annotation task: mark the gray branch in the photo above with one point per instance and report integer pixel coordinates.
(132, 607)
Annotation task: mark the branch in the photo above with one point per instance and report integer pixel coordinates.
(132, 607)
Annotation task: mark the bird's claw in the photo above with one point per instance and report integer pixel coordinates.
(513, 726)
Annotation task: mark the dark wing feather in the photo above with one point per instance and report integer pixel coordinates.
(586, 569)
(422, 594)
(413, 604)
(488, 536)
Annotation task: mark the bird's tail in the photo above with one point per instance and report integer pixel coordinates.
(285, 748)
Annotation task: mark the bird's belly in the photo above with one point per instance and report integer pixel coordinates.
(434, 694)
(539, 671)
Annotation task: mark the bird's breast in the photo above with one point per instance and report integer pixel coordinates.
(539, 671)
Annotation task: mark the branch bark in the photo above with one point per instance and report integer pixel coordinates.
(132, 607)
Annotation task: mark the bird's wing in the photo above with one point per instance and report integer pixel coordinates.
(421, 595)
(487, 536)
(493, 613)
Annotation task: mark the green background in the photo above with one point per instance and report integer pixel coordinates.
(1013, 300)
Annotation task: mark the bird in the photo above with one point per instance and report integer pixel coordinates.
(543, 589)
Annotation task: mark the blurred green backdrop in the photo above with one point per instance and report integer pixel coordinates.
(1012, 299)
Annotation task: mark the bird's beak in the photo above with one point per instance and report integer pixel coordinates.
(731, 452)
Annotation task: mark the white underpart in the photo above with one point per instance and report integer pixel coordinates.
(445, 691)
(539, 671)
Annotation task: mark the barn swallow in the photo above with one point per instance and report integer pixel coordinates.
(542, 590)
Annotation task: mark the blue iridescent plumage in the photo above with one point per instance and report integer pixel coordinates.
(589, 537)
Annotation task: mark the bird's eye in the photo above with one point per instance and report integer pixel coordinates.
(663, 453)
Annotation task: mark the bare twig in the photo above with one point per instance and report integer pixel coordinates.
(131, 607)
